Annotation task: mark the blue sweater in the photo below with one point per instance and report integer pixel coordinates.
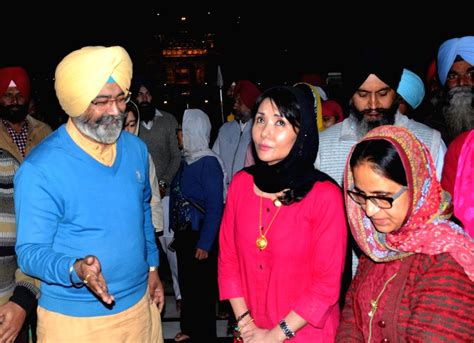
(202, 182)
(68, 205)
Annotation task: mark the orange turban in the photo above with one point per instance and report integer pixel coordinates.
(17, 75)
(83, 73)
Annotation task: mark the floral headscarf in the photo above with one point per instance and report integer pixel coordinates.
(427, 228)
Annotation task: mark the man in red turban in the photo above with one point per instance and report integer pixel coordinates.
(234, 137)
(19, 132)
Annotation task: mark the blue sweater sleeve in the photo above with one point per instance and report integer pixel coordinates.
(38, 213)
(211, 178)
(152, 250)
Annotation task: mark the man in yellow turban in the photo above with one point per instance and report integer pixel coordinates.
(83, 212)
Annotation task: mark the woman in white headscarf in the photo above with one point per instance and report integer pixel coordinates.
(196, 206)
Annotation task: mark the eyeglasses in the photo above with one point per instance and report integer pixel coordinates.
(10, 97)
(104, 102)
(379, 201)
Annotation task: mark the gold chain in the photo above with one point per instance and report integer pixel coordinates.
(262, 241)
(374, 304)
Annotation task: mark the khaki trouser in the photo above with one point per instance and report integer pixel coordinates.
(140, 323)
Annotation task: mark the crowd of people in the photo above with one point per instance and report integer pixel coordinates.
(317, 221)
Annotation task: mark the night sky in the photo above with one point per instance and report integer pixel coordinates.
(271, 45)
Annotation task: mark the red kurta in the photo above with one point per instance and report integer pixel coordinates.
(429, 300)
(301, 267)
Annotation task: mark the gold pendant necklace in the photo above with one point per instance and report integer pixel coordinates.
(262, 241)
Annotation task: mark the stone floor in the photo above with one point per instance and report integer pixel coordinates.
(170, 320)
(170, 323)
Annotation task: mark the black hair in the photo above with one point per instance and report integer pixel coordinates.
(383, 155)
(132, 107)
(285, 101)
(295, 173)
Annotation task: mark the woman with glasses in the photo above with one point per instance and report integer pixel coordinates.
(415, 277)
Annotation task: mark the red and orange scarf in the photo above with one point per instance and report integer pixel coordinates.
(427, 228)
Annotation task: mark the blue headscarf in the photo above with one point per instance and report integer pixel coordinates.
(463, 47)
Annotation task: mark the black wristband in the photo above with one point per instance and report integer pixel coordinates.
(290, 334)
(242, 316)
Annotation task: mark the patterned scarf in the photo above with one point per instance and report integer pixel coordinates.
(427, 228)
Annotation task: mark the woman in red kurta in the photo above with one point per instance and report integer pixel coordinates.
(415, 279)
(283, 233)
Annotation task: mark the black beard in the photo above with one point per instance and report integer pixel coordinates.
(147, 111)
(242, 116)
(458, 111)
(14, 113)
(388, 118)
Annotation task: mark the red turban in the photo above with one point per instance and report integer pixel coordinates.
(332, 108)
(313, 79)
(248, 92)
(17, 75)
(431, 73)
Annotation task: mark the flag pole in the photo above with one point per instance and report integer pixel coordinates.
(220, 84)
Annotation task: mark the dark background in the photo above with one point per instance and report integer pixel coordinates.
(270, 45)
(265, 43)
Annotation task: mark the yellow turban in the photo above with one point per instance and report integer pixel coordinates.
(83, 73)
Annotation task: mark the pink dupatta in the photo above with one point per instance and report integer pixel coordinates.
(464, 186)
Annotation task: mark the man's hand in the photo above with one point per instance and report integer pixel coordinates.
(12, 317)
(201, 254)
(157, 292)
(89, 270)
